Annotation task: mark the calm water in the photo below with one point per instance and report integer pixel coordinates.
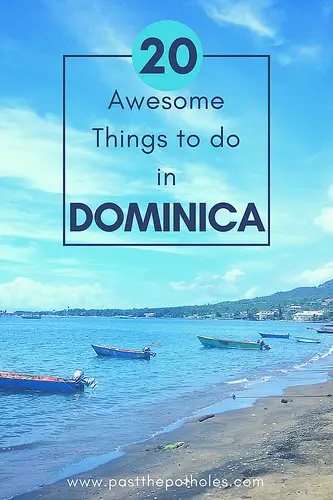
(44, 437)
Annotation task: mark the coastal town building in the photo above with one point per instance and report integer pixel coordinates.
(262, 315)
(308, 315)
(294, 309)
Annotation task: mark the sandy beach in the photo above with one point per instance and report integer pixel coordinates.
(271, 450)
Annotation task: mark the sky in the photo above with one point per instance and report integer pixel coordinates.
(37, 272)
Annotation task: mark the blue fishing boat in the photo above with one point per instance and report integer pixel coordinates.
(41, 383)
(275, 335)
(103, 350)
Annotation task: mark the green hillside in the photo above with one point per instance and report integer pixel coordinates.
(309, 298)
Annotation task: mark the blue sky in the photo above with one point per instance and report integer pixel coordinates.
(37, 272)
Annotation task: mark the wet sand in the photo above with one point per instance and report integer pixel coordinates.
(279, 450)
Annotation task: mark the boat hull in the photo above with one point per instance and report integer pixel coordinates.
(323, 330)
(21, 382)
(275, 335)
(309, 341)
(120, 353)
(228, 344)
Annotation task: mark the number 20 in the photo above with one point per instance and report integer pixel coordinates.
(151, 68)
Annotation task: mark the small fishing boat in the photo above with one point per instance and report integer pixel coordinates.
(25, 382)
(103, 350)
(275, 335)
(325, 329)
(306, 340)
(31, 316)
(231, 344)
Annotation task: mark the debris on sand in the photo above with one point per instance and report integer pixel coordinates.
(205, 417)
(170, 446)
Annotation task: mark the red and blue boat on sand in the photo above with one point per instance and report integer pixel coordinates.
(116, 352)
(42, 383)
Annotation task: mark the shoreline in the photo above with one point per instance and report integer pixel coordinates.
(85, 443)
(204, 453)
(284, 320)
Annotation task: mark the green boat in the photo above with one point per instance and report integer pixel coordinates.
(230, 344)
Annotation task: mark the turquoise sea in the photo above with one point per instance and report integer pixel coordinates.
(46, 437)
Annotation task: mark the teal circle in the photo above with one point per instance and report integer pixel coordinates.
(166, 32)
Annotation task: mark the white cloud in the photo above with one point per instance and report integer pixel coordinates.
(256, 16)
(232, 275)
(313, 277)
(199, 181)
(16, 254)
(99, 25)
(30, 231)
(96, 24)
(24, 224)
(325, 220)
(205, 121)
(215, 281)
(300, 53)
(38, 161)
(105, 238)
(250, 14)
(25, 293)
(31, 150)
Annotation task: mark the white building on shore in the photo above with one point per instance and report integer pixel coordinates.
(308, 315)
(263, 315)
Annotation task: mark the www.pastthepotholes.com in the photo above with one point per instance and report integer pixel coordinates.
(164, 483)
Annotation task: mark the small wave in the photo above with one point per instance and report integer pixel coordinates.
(260, 380)
(328, 353)
(314, 358)
(240, 381)
(308, 362)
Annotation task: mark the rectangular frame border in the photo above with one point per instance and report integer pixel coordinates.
(66, 56)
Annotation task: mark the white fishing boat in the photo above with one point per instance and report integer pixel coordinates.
(305, 340)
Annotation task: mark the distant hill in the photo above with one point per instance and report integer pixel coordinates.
(310, 297)
(297, 296)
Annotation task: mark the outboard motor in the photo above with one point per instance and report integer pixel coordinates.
(267, 346)
(87, 381)
(90, 382)
(147, 350)
(78, 376)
